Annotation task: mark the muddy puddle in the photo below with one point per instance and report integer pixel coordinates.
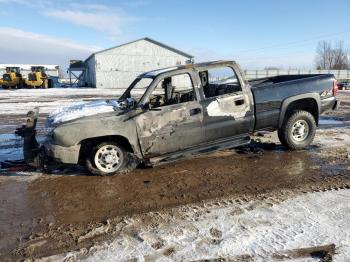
(32, 204)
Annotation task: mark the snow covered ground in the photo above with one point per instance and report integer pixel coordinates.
(257, 231)
(21, 101)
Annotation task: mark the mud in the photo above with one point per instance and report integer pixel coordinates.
(59, 209)
(46, 214)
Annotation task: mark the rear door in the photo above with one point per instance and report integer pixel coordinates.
(228, 110)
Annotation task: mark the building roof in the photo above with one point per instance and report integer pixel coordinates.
(149, 40)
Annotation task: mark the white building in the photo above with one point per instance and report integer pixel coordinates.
(118, 66)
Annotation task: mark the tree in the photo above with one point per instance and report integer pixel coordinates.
(329, 57)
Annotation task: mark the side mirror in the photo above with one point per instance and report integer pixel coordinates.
(145, 107)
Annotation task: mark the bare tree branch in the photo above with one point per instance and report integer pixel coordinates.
(329, 57)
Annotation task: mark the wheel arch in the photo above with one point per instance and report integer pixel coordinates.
(309, 102)
(89, 143)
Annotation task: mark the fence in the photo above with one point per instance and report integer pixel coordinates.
(339, 74)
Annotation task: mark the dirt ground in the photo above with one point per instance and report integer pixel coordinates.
(42, 215)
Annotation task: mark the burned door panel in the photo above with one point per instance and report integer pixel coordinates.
(170, 128)
(228, 104)
(227, 116)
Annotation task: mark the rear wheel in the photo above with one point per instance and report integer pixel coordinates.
(298, 130)
(107, 158)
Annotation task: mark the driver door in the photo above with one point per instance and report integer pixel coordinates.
(171, 126)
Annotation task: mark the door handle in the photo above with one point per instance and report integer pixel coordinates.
(239, 102)
(195, 111)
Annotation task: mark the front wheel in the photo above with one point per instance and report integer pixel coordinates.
(298, 130)
(106, 159)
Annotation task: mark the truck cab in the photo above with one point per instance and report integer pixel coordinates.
(208, 102)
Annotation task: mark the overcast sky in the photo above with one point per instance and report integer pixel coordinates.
(254, 32)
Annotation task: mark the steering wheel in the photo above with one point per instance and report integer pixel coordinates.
(156, 100)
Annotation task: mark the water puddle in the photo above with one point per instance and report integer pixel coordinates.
(11, 146)
(331, 121)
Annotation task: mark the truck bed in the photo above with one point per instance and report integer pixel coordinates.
(279, 79)
(270, 92)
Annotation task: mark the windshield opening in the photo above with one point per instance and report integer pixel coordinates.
(137, 88)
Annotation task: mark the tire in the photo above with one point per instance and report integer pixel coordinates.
(298, 130)
(106, 159)
(50, 83)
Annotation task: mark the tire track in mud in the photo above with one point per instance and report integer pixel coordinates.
(275, 249)
(78, 238)
(251, 201)
(151, 221)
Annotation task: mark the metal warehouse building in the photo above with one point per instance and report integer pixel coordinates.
(118, 66)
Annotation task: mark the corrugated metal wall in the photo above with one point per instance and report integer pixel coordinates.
(118, 67)
(91, 72)
(339, 74)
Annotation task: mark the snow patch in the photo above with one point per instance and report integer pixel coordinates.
(14, 102)
(330, 122)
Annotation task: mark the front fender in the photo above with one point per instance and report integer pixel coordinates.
(70, 134)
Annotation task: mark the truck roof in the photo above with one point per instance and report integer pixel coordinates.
(155, 73)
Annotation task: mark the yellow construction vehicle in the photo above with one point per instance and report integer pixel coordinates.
(12, 78)
(38, 78)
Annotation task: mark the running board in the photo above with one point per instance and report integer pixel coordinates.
(208, 148)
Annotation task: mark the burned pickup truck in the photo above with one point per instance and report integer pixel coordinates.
(181, 111)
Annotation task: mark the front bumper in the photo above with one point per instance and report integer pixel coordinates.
(40, 155)
(61, 154)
